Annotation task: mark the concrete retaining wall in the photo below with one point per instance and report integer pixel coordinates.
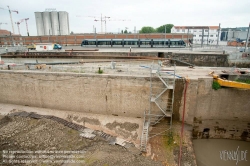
(214, 60)
(225, 112)
(125, 96)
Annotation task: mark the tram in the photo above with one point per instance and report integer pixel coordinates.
(151, 43)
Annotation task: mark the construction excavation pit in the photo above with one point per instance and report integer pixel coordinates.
(163, 109)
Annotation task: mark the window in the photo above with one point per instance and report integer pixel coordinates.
(178, 30)
(183, 30)
(194, 35)
(211, 35)
(194, 30)
(206, 30)
(216, 35)
(200, 35)
(117, 42)
(145, 43)
(91, 43)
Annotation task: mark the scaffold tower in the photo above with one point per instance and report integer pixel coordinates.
(161, 101)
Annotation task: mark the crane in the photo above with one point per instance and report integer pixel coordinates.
(11, 18)
(26, 19)
(18, 23)
(103, 19)
(1, 24)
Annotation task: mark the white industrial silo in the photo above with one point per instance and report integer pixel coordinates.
(64, 23)
(47, 23)
(55, 23)
(39, 23)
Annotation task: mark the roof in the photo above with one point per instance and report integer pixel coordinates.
(196, 27)
(4, 32)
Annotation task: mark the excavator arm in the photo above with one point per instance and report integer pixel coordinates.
(227, 83)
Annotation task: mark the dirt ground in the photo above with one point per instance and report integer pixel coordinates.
(28, 141)
(165, 147)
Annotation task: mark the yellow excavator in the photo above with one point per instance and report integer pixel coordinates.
(228, 83)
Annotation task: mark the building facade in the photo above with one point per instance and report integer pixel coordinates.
(207, 34)
(52, 23)
(234, 34)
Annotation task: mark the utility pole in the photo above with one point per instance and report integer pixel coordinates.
(202, 37)
(218, 35)
(247, 38)
(165, 38)
(208, 36)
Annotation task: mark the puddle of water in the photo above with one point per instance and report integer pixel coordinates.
(221, 152)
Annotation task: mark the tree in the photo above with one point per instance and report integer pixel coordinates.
(161, 29)
(125, 31)
(71, 32)
(122, 31)
(147, 30)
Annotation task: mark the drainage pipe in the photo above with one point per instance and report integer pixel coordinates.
(183, 117)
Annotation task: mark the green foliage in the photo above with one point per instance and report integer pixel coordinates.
(100, 71)
(147, 29)
(216, 85)
(125, 31)
(246, 81)
(170, 140)
(161, 29)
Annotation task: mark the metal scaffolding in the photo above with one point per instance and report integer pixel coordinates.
(161, 101)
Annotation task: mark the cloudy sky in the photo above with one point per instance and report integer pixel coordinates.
(137, 13)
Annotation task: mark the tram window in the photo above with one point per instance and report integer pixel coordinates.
(117, 42)
(145, 43)
(172, 43)
(103, 42)
(91, 43)
(156, 43)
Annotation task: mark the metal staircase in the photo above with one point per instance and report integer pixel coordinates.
(161, 101)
